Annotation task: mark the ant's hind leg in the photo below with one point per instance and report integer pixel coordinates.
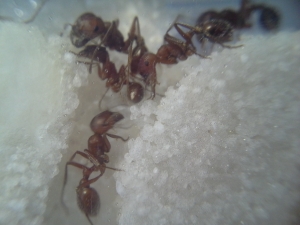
(66, 176)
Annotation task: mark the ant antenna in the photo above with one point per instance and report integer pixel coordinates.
(103, 97)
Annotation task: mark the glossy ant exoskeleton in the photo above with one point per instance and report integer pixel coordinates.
(269, 18)
(88, 26)
(98, 144)
(237, 19)
(113, 39)
(115, 79)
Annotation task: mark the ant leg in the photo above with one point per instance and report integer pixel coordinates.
(229, 46)
(172, 25)
(187, 36)
(181, 44)
(116, 137)
(132, 34)
(88, 218)
(66, 176)
(79, 153)
(106, 144)
(88, 182)
(107, 167)
(103, 97)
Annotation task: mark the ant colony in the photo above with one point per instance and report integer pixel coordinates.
(139, 74)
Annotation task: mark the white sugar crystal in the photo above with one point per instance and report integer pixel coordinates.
(225, 159)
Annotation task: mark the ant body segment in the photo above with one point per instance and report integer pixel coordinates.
(98, 144)
(237, 19)
(269, 18)
(88, 26)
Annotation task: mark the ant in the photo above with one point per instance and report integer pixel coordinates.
(88, 26)
(239, 19)
(216, 30)
(98, 144)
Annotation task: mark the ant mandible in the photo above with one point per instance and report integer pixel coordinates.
(98, 144)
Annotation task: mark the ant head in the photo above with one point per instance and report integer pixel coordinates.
(104, 121)
(88, 200)
(88, 26)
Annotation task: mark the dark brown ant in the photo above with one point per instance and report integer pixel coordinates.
(216, 31)
(98, 144)
(269, 18)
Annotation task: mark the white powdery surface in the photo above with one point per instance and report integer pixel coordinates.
(37, 80)
(223, 146)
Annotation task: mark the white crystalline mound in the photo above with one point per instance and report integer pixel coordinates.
(36, 89)
(223, 146)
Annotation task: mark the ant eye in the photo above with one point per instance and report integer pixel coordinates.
(146, 63)
(96, 29)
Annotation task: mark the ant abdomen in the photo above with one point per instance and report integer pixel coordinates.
(135, 92)
(88, 200)
(269, 19)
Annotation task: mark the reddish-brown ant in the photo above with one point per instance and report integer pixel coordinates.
(98, 144)
(88, 26)
(114, 79)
